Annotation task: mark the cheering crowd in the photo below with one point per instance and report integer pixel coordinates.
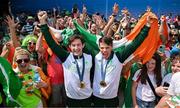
(74, 59)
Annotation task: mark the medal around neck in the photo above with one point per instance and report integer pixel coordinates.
(103, 83)
(82, 84)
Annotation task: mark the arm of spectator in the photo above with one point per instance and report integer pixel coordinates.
(119, 28)
(117, 35)
(100, 22)
(133, 91)
(39, 47)
(161, 30)
(80, 22)
(9, 8)
(84, 13)
(161, 91)
(124, 23)
(111, 20)
(110, 32)
(5, 50)
(161, 25)
(163, 102)
(12, 26)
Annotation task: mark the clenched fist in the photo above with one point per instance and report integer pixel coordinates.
(42, 16)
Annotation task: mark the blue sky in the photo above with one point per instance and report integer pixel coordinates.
(136, 7)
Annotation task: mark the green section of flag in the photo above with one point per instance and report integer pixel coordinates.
(10, 82)
(128, 96)
(0, 98)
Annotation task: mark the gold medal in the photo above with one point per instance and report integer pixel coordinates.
(103, 84)
(82, 84)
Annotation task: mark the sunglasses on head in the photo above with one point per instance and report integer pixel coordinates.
(19, 61)
(30, 43)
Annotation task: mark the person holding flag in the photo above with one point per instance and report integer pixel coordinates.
(76, 66)
(111, 55)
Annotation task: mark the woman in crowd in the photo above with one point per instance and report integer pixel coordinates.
(29, 43)
(32, 77)
(142, 94)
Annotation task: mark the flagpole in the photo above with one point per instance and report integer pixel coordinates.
(106, 9)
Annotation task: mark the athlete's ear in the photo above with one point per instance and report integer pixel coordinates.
(83, 45)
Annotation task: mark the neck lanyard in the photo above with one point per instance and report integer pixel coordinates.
(78, 69)
(103, 73)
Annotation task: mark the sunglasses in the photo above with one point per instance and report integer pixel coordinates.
(19, 61)
(30, 43)
(117, 38)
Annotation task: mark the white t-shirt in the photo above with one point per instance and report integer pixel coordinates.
(174, 88)
(144, 91)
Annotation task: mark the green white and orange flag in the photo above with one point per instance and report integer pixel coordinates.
(149, 45)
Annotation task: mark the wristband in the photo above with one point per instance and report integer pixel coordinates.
(114, 15)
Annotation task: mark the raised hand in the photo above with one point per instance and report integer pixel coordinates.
(84, 10)
(99, 21)
(42, 16)
(115, 9)
(125, 12)
(148, 9)
(149, 20)
(12, 27)
(163, 18)
(54, 9)
(124, 21)
(11, 23)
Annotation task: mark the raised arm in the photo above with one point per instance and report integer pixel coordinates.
(84, 14)
(12, 27)
(5, 50)
(133, 91)
(111, 20)
(58, 50)
(39, 47)
(162, 31)
(125, 22)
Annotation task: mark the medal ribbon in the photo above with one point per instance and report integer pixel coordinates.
(103, 73)
(78, 69)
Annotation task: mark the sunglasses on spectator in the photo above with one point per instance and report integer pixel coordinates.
(117, 38)
(30, 43)
(175, 35)
(19, 61)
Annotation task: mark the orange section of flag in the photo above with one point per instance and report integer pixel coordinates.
(45, 91)
(149, 46)
(151, 43)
